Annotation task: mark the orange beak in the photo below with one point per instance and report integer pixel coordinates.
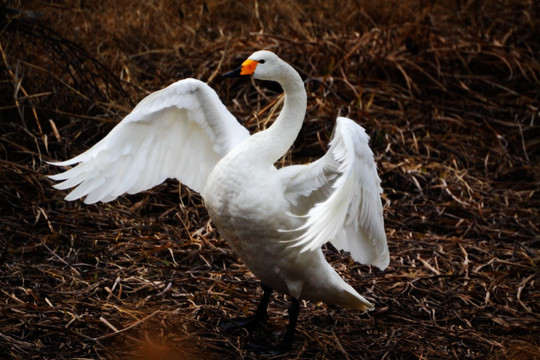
(248, 67)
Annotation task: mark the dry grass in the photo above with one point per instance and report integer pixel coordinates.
(448, 90)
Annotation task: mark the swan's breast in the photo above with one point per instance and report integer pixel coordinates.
(246, 203)
(245, 197)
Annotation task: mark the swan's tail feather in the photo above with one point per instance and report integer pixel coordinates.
(355, 301)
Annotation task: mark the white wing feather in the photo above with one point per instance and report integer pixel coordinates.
(339, 195)
(180, 132)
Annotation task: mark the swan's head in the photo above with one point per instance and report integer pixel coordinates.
(264, 65)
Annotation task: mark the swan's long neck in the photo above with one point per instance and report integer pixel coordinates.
(278, 138)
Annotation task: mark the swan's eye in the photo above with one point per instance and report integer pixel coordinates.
(261, 61)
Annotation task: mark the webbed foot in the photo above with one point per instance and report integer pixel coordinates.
(248, 322)
(268, 349)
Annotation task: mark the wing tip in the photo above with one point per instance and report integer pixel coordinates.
(343, 119)
(56, 177)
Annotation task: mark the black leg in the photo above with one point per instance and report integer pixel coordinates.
(294, 310)
(286, 343)
(251, 321)
(262, 309)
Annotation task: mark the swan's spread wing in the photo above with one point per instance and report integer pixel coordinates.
(178, 132)
(339, 195)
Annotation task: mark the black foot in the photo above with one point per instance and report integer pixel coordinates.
(268, 349)
(286, 343)
(249, 323)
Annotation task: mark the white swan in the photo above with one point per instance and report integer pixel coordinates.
(274, 220)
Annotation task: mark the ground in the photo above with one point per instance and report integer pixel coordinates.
(447, 90)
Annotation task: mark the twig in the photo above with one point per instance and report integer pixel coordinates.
(116, 331)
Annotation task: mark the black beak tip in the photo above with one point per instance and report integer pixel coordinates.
(233, 74)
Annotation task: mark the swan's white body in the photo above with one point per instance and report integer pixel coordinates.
(274, 220)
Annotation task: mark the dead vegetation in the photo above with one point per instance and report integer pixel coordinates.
(448, 90)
